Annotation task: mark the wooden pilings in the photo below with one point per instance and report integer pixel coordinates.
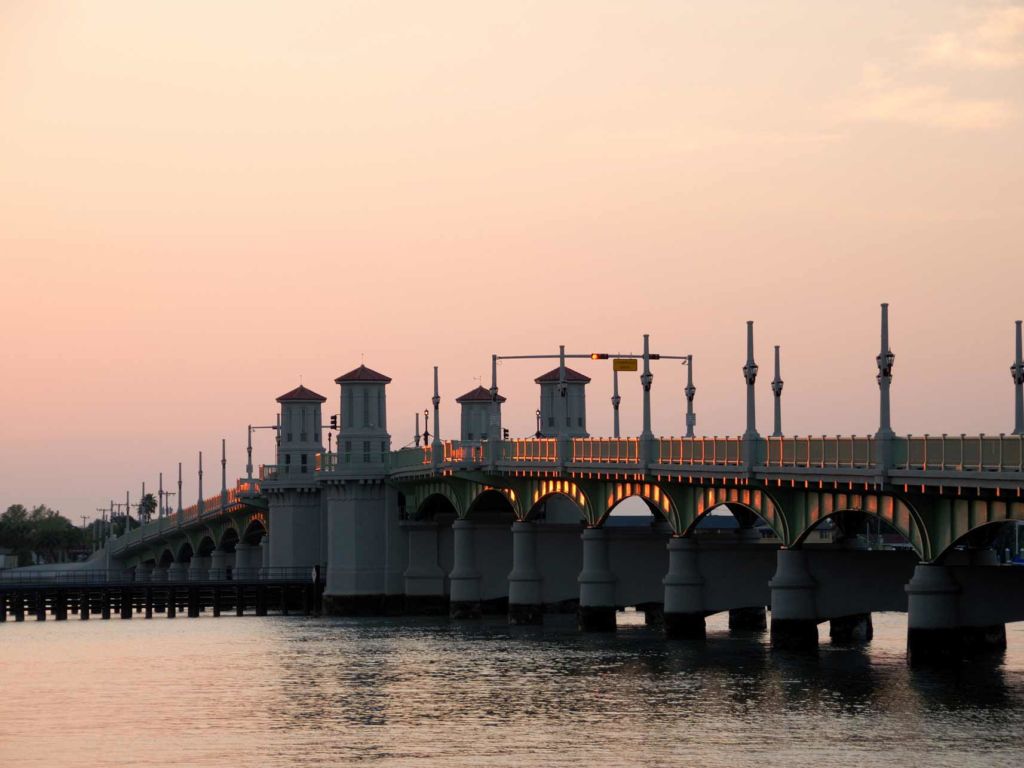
(258, 597)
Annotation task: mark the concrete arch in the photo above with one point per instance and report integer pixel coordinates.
(742, 502)
(416, 501)
(912, 535)
(658, 502)
(185, 552)
(544, 489)
(228, 537)
(255, 529)
(207, 543)
(982, 536)
(953, 519)
(897, 512)
(504, 499)
(436, 503)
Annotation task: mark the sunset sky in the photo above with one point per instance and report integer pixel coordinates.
(201, 203)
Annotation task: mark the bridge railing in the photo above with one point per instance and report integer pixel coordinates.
(25, 577)
(820, 452)
(606, 450)
(544, 449)
(715, 451)
(410, 458)
(961, 452)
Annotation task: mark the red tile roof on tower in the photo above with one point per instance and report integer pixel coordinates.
(570, 376)
(364, 374)
(301, 394)
(478, 395)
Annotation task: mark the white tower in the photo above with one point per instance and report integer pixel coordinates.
(299, 438)
(476, 414)
(363, 433)
(563, 414)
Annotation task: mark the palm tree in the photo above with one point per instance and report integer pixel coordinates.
(146, 507)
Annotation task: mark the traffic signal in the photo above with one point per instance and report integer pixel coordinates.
(504, 433)
(334, 422)
(598, 356)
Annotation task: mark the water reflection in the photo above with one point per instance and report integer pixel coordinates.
(293, 691)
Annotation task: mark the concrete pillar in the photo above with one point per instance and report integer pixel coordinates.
(159, 573)
(264, 557)
(935, 634)
(244, 569)
(424, 579)
(525, 605)
(199, 568)
(464, 579)
(143, 572)
(794, 609)
(177, 571)
(684, 591)
(596, 612)
(218, 565)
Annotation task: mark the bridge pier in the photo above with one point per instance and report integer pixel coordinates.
(177, 572)
(264, 556)
(199, 568)
(596, 612)
(840, 584)
(247, 564)
(40, 605)
(158, 574)
(684, 587)
(464, 579)
(960, 612)
(525, 604)
(143, 572)
(424, 578)
(218, 565)
(794, 611)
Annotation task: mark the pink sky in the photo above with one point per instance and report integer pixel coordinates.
(201, 202)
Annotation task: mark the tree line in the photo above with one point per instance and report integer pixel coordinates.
(42, 532)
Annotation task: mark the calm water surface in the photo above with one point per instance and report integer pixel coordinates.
(293, 691)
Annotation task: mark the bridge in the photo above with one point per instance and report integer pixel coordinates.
(528, 527)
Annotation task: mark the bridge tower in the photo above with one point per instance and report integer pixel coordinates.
(563, 414)
(365, 549)
(363, 433)
(296, 520)
(476, 414)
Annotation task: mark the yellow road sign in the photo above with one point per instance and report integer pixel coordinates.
(624, 364)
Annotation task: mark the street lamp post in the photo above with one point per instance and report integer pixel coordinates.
(435, 455)
(750, 436)
(615, 402)
(1017, 371)
(690, 391)
(777, 392)
(884, 360)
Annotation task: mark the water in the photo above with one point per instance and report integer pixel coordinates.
(293, 691)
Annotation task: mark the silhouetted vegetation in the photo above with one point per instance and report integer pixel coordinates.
(43, 532)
